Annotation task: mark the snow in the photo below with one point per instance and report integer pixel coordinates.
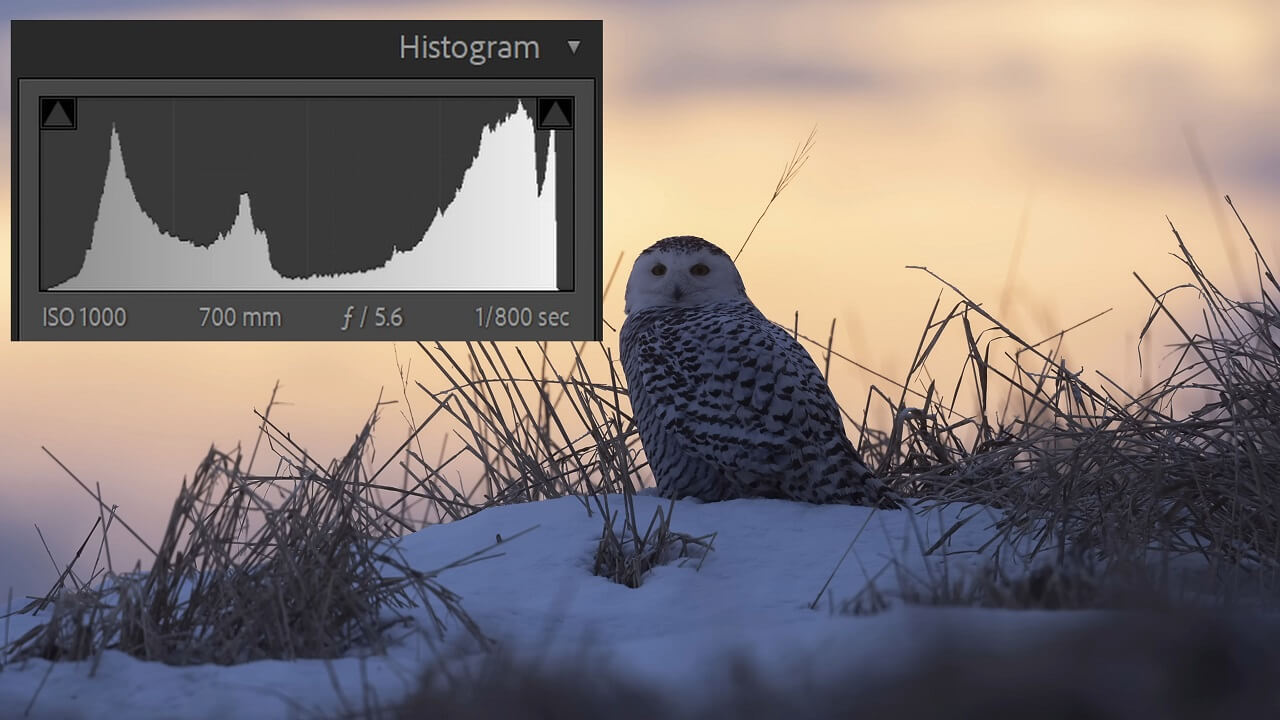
(751, 596)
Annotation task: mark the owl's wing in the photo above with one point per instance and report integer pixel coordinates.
(739, 392)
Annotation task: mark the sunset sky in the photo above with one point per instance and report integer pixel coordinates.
(942, 128)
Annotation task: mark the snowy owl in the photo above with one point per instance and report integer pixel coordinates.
(728, 404)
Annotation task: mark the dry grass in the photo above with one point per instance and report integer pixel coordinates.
(1073, 584)
(500, 687)
(294, 565)
(531, 435)
(1167, 665)
(626, 556)
(549, 433)
(1085, 470)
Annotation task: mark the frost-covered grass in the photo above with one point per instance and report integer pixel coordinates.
(525, 566)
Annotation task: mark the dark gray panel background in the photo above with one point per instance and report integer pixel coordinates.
(291, 48)
(316, 316)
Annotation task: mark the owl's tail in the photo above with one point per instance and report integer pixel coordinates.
(864, 488)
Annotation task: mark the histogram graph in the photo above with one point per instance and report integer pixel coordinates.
(324, 194)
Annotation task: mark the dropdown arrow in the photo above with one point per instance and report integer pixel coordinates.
(573, 46)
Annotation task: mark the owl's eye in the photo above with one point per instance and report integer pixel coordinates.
(699, 270)
(659, 269)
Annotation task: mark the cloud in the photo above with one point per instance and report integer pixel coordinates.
(691, 74)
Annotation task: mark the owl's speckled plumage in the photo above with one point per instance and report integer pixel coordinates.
(728, 404)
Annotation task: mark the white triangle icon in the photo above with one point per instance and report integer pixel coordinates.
(573, 46)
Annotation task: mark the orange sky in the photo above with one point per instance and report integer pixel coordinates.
(939, 125)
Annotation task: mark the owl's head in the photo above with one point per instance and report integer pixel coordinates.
(682, 271)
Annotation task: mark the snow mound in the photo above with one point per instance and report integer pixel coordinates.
(750, 597)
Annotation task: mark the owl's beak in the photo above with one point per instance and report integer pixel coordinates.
(677, 292)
